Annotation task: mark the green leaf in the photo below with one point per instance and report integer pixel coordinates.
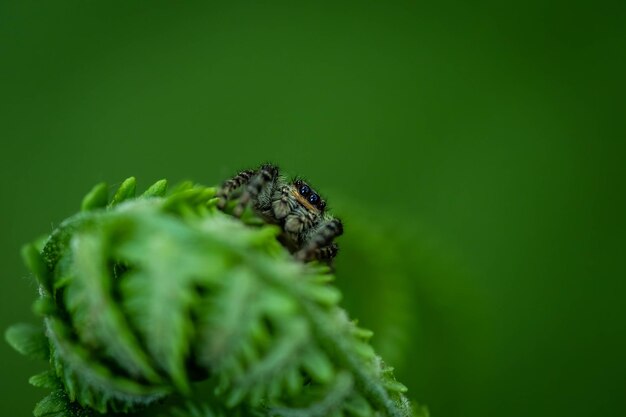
(54, 404)
(318, 366)
(125, 192)
(98, 318)
(158, 189)
(336, 395)
(324, 294)
(159, 293)
(91, 382)
(96, 198)
(144, 299)
(45, 379)
(27, 339)
(32, 258)
(44, 306)
(57, 404)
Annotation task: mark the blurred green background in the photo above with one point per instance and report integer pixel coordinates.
(479, 146)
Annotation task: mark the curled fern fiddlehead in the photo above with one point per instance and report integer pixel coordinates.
(141, 297)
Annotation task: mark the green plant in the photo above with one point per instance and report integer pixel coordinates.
(163, 305)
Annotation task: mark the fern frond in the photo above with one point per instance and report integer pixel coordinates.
(144, 296)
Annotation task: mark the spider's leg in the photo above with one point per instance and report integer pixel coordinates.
(322, 236)
(282, 203)
(326, 253)
(298, 223)
(232, 184)
(265, 177)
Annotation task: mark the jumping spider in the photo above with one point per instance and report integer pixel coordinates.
(308, 229)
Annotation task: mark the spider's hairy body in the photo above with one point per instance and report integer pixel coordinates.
(308, 230)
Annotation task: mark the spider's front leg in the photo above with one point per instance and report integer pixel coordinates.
(320, 239)
(264, 178)
(233, 184)
(327, 253)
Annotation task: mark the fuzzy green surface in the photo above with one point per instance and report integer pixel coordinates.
(163, 303)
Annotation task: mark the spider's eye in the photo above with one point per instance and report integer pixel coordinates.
(314, 198)
(321, 204)
(305, 190)
(297, 183)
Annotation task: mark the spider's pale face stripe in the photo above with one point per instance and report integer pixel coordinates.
(303, 201)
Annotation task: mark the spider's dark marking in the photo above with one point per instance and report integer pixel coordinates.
(308, 229)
